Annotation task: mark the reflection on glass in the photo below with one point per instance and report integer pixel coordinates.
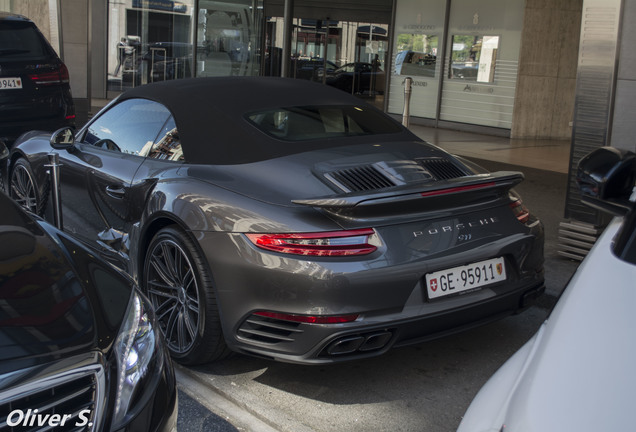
(148, 41)
(168, 147)
(473, 58)
(227, 38)
(417, 55)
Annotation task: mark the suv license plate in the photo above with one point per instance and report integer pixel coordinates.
(10, 83)
(463, 278)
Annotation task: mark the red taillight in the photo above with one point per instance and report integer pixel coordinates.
(457, 189)
(333, 243)
(310, 319)
(55, 77)
(520, 211)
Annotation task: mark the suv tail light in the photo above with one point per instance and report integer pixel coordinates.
(55, 77)
(332, 243)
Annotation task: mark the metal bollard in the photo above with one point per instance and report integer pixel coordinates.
(54, 164)
(408, 82)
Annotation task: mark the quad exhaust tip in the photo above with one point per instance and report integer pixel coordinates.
(359, 343)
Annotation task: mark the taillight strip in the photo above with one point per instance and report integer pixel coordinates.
(330, 243)
(520, 211)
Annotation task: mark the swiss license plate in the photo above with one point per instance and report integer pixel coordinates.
(463, 278)
(10, 83)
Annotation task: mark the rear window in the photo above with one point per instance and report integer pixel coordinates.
(21, 41)
(321, 122)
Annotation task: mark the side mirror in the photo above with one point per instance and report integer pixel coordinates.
(606, 178)
(63, 139)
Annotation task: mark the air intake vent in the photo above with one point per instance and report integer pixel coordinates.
(63, 397)
(442, 169)
(268, 330)
(358, 179)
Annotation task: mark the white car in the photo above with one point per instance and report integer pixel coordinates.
(578, 372)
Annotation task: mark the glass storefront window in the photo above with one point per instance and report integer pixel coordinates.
(227, 38)
(152, 40)
(418, 39)
(347, 55)
(148, 40)
(475, 80)
(473, 58)
(417, 54)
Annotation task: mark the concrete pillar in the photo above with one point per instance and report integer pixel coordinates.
(74, 29)
(287, 38)
(544, 99)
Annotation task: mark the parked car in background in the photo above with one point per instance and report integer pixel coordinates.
(79, 343)
(311, 69)
(286, 219)
(357, 78)
(577, 372)
(34, 82)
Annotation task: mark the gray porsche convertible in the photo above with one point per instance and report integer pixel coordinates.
(285, 219)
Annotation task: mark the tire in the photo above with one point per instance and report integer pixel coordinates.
(23, 189)
(179, 285)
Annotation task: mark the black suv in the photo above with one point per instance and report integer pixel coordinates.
(34, 82)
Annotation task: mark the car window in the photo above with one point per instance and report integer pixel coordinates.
(319, 122)
(130, 127)
(167, 146)
(21, 41)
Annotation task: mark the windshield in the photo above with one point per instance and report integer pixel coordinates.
(321, 122)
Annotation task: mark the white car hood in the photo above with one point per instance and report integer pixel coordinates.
(578, 373)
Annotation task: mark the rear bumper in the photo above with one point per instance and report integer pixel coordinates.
(387, 292)
(339, 344)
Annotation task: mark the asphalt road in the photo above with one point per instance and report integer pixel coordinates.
(425, 387)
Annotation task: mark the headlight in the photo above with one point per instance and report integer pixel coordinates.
(138, 358)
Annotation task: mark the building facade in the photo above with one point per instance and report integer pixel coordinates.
(553, 69)
(486, 65)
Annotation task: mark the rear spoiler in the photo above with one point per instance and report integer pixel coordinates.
(434, 195)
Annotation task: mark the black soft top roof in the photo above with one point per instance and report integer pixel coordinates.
(210, 115)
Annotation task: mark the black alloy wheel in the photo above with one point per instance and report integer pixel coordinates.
(23, 190)
(180, 288)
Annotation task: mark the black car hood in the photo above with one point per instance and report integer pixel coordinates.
(56, 299)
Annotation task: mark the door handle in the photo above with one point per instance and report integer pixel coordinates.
(116, 192)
